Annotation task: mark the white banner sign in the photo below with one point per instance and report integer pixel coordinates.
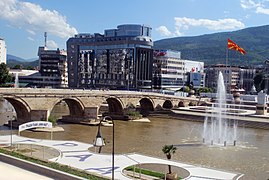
(35, 124)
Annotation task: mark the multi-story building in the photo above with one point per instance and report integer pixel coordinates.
(52, 70)
(3, 51)
(230, 75)
(235, 77)
(53, 67)
(168, 70)
(171, 72)
(119, 58)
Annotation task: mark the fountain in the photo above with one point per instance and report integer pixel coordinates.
(16, 85)
(218, 129)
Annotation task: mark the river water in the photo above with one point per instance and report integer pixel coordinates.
(250, 156)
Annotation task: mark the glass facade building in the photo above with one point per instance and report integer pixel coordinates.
(118, 59)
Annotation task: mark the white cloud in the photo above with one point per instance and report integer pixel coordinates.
(261, 10)
(33, 17)
(30, 38)
(259, 6)
(185, 23)
(178, 33)
(31, 32)
(249, 4)
(163, 31)
(52, 44)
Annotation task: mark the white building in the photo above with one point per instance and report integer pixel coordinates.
(194, 66)
(194, 71)
(170, 72)
(3, 51)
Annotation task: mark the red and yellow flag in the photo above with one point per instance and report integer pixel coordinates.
(234, 46)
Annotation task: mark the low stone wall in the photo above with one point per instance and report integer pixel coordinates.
(36, 168)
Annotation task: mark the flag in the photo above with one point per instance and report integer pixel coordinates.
(234, 46)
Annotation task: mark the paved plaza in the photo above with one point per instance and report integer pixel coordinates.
(77, 155)
(14, 173)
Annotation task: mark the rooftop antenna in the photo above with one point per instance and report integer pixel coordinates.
(45, 35)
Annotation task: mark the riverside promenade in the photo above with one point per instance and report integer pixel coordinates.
(77, 155)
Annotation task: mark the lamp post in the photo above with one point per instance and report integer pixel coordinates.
(99, 141)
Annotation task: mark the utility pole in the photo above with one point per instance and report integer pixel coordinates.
(45, 36)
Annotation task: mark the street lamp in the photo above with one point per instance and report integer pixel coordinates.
(99, 141)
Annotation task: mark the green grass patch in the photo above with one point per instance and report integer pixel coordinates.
(53, 165)
(146, 172)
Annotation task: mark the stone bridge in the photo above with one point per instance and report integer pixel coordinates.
(37, 104)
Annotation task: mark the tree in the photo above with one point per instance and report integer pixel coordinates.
(30, 68)
(185, 89)
(259, 82)
(4, 74)
(17, 66)
(53, 120)
(168, 150)
(204, 90)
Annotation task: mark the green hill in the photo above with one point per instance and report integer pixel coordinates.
(211, 48)
(24, 64)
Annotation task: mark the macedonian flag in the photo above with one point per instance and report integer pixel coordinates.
(234, 46)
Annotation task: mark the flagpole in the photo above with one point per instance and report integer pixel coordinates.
(227, 57)
(227, 54)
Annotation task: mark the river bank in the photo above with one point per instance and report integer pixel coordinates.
(247, 120)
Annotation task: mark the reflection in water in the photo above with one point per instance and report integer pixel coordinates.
(250, 158)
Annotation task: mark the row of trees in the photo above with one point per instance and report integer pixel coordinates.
(18, 66)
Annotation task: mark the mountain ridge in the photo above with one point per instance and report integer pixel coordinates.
(12, 61)
(212, 48)
(17, 58)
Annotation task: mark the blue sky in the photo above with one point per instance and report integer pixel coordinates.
(23, 22)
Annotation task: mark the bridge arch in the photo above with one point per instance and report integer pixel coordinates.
(168, 104)
(22, 109)
(115, 106)
(76, 107)
(146, 105)
(181, 104)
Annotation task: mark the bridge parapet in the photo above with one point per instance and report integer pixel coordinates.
(85, 103)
